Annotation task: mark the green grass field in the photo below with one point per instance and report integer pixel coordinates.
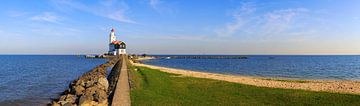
(152, 87)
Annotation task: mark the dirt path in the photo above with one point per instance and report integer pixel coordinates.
(352, 87)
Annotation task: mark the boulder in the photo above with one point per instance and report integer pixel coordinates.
(62, 98)
(89, 84)
(93, 103)
(103, 83)
(70, 98)
(62, 103)
(55, 104)
(88, 90)
(100, 96)
(80, 82)
(91, 91)
(68, 104)
(78, 90)
(85, 100)
(104, 103)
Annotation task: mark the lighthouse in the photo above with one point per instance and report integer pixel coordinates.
(116, 47)
(112, 35)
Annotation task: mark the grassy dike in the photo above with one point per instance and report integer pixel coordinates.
(153, 87)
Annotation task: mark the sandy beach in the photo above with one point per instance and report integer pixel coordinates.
(351, 87)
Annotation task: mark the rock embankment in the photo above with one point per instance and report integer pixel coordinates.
(88, 90)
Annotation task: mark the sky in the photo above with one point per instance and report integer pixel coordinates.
(181, 26)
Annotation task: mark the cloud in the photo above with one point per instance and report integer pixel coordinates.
(161, 7)
(119, 16)
(111, 9)
(278, 21)
(248, 21)
(46, 16)
(239, 21)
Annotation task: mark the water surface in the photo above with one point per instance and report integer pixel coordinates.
(283, 66)
(34, 79)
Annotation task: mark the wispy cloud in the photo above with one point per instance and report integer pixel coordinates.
(161, 6)
(247, 20)
(47, 16)
(279, 21)
(111, 9)
(239, 19)
(119, 16)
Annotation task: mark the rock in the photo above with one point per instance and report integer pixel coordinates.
(93, 103)
(89, 84)
(63, 102)
(62, 98)
(103, 83)
(86, 104)
(85, 100)
(100, 96)
(70, 98)
(105, 103)
(67, 104)
(55, 103)
(90, 91)
(79, 90)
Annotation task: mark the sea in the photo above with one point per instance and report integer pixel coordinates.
(32, 80)
(308, 67)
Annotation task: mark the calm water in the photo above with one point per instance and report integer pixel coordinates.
(299, 67)
(34, 79)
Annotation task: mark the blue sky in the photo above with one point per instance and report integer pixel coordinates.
(181, 26)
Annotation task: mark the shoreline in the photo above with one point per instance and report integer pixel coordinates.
(335, 86)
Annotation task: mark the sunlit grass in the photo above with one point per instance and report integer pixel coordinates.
(152, 87)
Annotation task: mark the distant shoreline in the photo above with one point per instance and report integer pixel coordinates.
(338, 86)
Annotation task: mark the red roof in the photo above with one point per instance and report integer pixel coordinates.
(116, 42)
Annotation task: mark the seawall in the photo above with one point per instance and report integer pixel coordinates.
(93, 87)
(121, 91)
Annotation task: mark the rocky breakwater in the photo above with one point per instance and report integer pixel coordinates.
(91, 89)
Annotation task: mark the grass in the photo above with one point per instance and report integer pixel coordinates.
(153, 87)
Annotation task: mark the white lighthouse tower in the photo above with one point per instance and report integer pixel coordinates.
(112, 35)
(116, 47)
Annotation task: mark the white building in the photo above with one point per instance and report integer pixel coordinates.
(116, 47)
